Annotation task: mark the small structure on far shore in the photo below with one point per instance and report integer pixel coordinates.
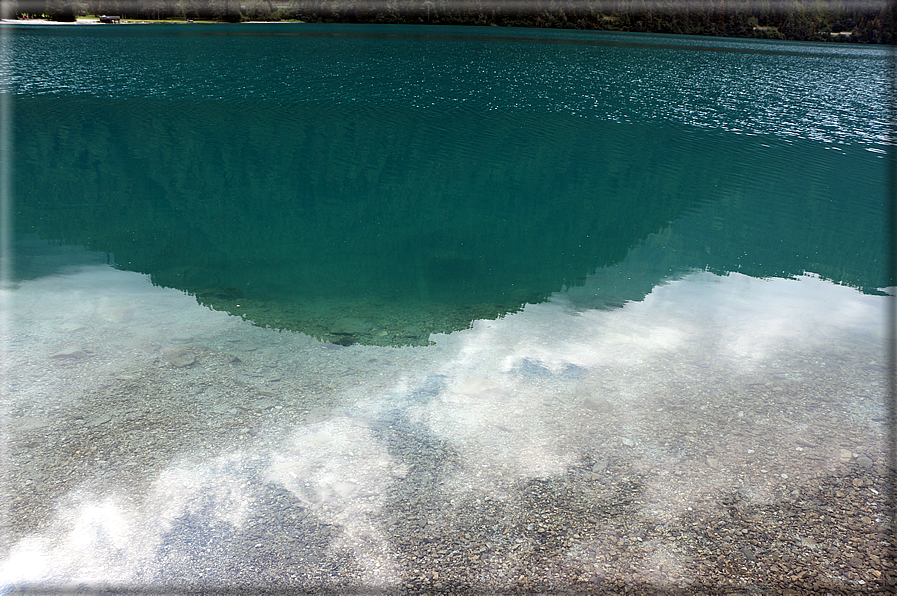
(105, 19)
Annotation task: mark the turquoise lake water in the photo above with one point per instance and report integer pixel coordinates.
(344, 307)
(296, 177)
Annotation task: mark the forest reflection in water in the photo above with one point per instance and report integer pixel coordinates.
(454, 217)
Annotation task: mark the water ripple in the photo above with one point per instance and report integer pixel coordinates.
(830, 94)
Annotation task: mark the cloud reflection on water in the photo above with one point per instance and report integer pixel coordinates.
(665, 385)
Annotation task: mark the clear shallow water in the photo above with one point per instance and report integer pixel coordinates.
(272, 459)
(687, 251)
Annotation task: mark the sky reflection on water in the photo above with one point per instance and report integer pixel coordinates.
(515, 399)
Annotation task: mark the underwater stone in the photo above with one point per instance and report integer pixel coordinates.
(71, 352)
(178, 358)
(597, 403)
(29, 423)
(98, 420)
(343, 489)
(350, 326)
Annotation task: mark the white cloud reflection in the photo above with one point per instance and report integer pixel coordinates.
(519, 398)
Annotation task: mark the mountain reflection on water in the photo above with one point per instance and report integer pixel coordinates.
(381, 222)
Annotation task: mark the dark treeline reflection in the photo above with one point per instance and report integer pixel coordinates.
(381, 226)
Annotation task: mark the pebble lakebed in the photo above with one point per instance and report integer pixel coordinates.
(243, 459)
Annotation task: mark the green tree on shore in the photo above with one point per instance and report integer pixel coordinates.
(808, 20)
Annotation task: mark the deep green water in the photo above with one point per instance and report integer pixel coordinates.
(416, 179)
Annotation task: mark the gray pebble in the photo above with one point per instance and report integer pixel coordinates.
(73, 352)
(178, 358)
(864, 462)
(350, 326)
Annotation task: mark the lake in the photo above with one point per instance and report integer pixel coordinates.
(342, 308)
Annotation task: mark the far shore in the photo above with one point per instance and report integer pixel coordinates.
(869, 35)
(96, 21)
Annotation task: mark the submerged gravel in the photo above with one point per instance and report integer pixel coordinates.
(232, 459)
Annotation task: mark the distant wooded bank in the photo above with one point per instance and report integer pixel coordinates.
(862, 21)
